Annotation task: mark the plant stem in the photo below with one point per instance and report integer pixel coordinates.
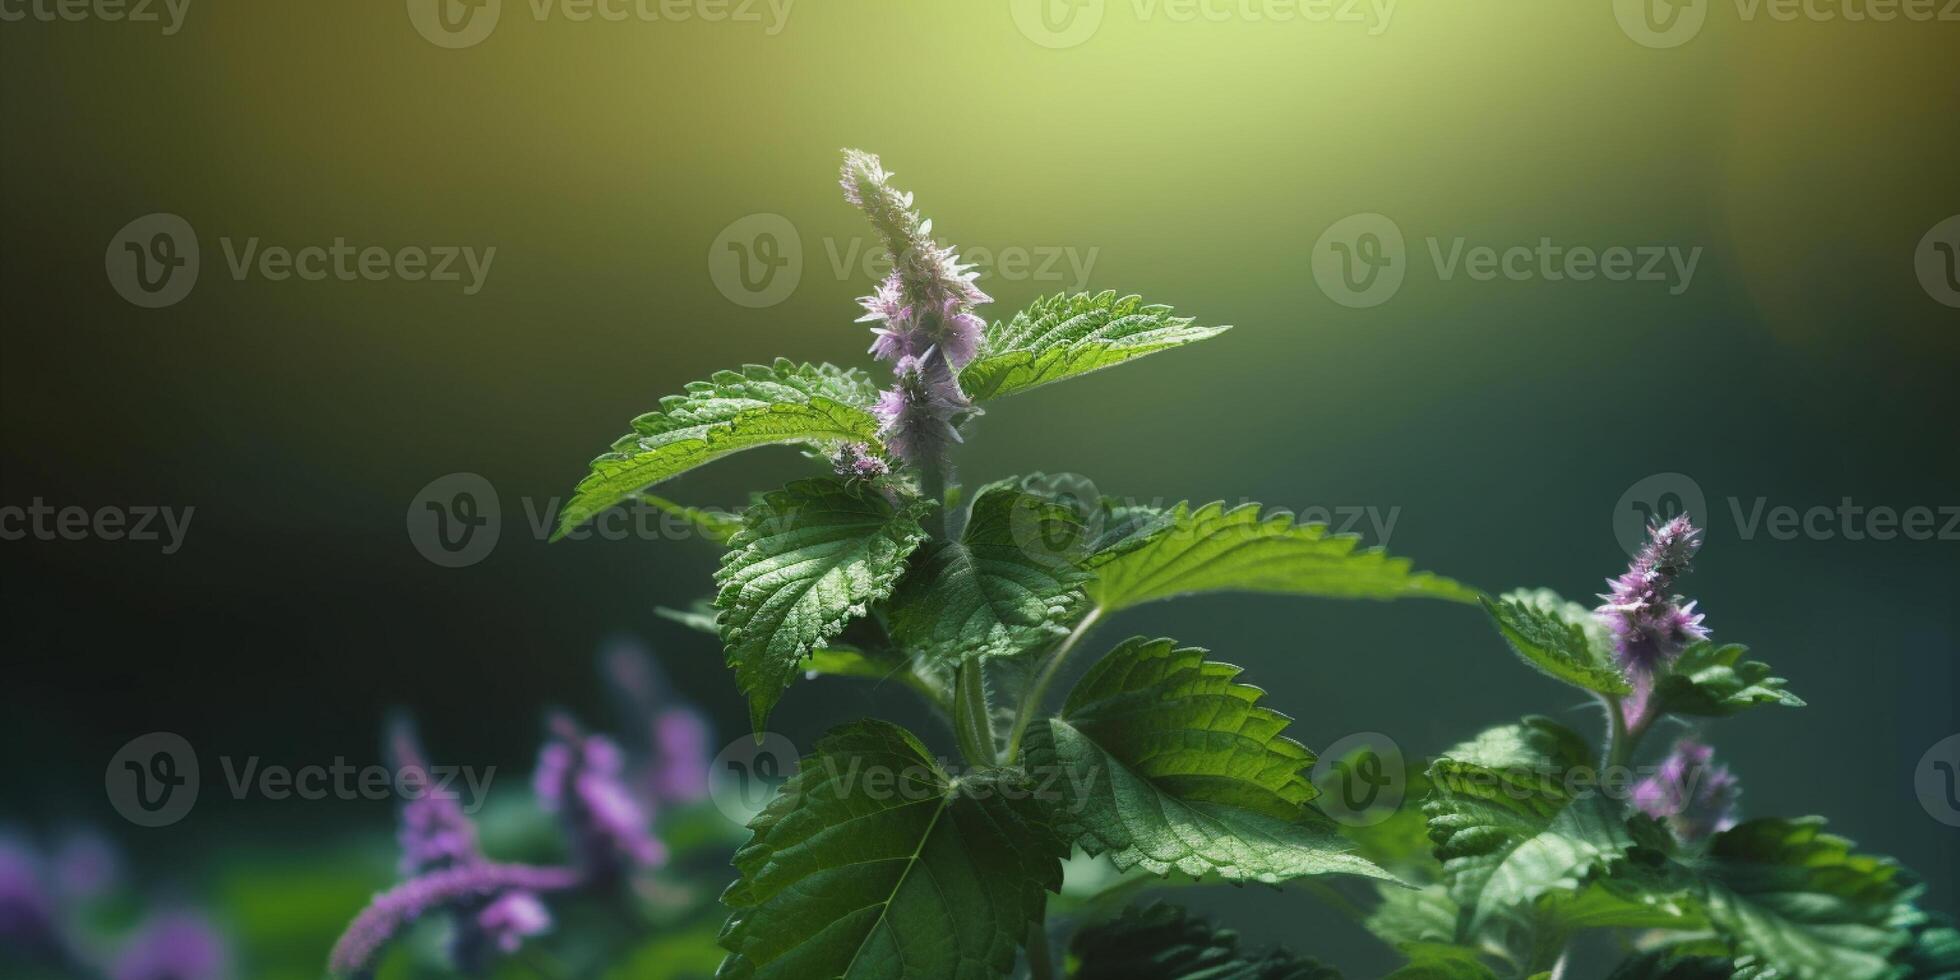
(973, 720)
(1031, 703)
(1619, 747)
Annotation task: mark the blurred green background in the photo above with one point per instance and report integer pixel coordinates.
(1193, 161)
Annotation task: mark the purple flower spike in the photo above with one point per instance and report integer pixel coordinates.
(928, 298)
(434, 832)
(175, 946)
(470, 886)
(1696, 798)
(669, 741)
(579, 778)
(1650, 624)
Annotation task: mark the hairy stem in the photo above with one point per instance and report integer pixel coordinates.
(1620, 741)
(972, 719)
(1031, 703)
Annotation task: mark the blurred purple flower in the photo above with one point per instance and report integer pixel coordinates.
(670, 741)
(86, 866)
(176, 945)
(1650, 625)
(579, 778)
(1694, 797)
(434, 832)
(445, 871)
(477, 886)
(27, 913)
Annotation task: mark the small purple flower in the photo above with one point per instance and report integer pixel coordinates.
(175, 945)
(579, 778)
(511, 918)
(855, 460)
(669, 740)
(1651, 625)
(476, 886)
(918, 416)
(1696, 798)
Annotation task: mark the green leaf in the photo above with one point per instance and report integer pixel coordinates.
(809, 558)
(1439, 961)
(1212, 549)
(1714, 681)
(1163, 942)
(832, 659)
(714, 525)
(1562, 640)
(1799, 899)
(1413, 915)
(1511, 824)
(1165, 761)
(1064, 336)
(1934, 950)
(784, 403)
(1008, 584)
(1664, 964)
(1397, 837)
(874, 862)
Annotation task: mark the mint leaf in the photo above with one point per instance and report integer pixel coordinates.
(873, 862)
(1064, 336)
(1008, 584)
(1212, 549)
(1663, 964)
(1413, 915)
(1163, 942)
(783, 403)
(1714, 681)
(1166, 762)
(809, 558)
(1799, 899)
(1562, 640)
(1508, 825)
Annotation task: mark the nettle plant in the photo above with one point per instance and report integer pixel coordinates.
(880, 858)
